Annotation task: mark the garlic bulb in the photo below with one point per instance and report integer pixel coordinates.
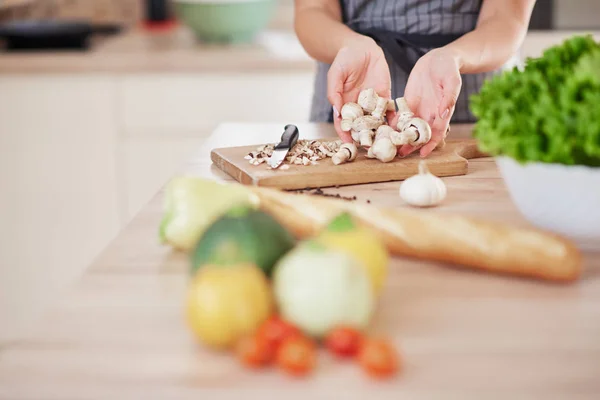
(423, 189)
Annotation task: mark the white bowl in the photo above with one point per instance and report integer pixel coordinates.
(559, 198)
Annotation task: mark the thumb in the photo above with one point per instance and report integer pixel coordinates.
(335, 88)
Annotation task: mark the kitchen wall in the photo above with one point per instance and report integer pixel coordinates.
(576, 14)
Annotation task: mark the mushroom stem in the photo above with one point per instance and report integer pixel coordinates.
(366, 137)
(347, 152)
(421, 128)
(380, 108)
(407, 136)
(402, 105)
(404, 113)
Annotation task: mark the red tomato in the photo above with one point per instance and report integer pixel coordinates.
(275, 330)
(297, 355)
(254, 351)
(344, 341)
(378, 358)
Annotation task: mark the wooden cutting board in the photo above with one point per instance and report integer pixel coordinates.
(452, 160)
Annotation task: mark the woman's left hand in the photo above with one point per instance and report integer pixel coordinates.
(431, 93)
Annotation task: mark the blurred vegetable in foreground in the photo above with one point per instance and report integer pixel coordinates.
(318, 288)
(192, 204)
(226, 304)
(243, 234)
(345, 234)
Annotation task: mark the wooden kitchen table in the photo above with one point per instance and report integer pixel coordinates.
(119, 332)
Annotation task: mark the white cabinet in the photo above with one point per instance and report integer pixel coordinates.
(80, 155)
(166, 117)
(58, 198)
(196, 104)
(148, 163)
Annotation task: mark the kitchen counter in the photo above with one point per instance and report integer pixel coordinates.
(120, 331)
(176, 51)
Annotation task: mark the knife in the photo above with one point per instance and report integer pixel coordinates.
(288, 140)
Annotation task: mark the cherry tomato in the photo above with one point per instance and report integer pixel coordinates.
(344, 341)
(254, 351)
(297, 355)
(378, 358)
(275, 330)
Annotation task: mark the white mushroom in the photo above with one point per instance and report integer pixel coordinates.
(363, 129)
(423, 189)
(349, 112)
(381, 107)
(365, 137)
(366, 122)
(383, 149)
(418, 127)
(347, 152)
(404, 113)
(367, 99)
(407, 136)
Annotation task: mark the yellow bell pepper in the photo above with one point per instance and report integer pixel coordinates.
(226, 303)
(342, 233)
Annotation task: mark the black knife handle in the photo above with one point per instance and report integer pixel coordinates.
(289, 137)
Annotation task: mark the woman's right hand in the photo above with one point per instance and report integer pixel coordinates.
(359, 65)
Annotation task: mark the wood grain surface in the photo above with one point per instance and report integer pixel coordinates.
(450, 161)
(120, 333)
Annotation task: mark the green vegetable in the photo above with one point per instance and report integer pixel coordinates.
(192, 204)
(547, 112)
(243, 235)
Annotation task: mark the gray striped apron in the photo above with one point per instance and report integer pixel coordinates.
(405, 30)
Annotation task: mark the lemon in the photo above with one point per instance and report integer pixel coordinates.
(344, 234)
(225, 304)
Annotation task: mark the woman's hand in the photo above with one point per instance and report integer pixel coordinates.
(431, 93)
(359, 65)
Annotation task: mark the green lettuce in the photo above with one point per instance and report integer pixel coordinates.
(549, 111)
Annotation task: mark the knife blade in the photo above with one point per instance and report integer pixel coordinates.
(289, 138)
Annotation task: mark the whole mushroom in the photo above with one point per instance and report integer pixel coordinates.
(350, 112)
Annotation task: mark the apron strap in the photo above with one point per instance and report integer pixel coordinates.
(397, 43)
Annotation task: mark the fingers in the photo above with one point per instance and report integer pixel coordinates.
(450, 93)
(439, 128)
(392, 118)
(406, 150)
(345, 136)
(429, 147)
(335, 87)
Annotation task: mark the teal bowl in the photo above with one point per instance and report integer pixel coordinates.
(225, 21)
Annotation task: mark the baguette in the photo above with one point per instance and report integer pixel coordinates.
(451, 239)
